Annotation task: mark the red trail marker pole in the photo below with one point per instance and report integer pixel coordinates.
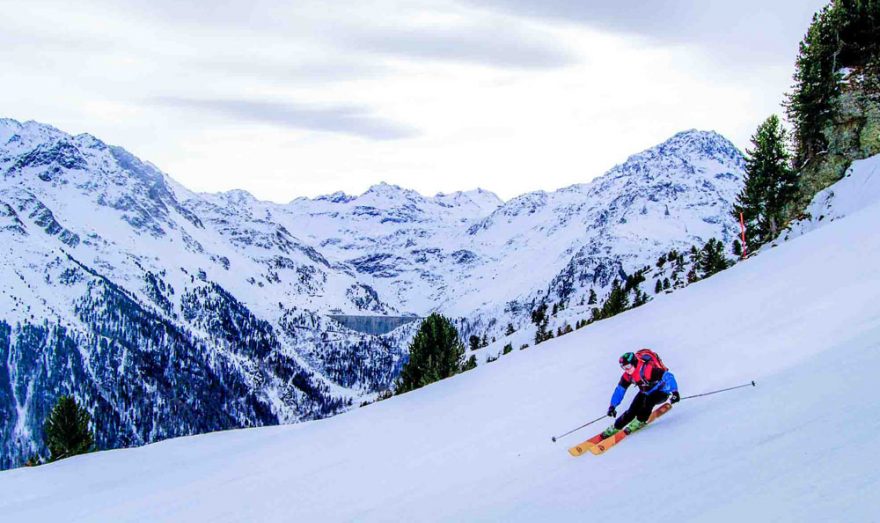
(742, 226)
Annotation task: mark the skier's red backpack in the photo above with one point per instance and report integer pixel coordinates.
(647, 355)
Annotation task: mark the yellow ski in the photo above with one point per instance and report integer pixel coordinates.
(607, 443)
(590, 444)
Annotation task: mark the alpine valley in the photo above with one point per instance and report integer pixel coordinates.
(167, 313)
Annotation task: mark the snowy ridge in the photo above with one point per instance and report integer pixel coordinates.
(749, 454)
(101, 249)
(674, 195)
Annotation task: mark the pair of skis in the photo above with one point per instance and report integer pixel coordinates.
(597, 445)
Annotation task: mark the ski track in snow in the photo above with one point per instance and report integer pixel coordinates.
(801, 318)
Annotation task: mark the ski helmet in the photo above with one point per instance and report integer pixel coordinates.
(628, 358)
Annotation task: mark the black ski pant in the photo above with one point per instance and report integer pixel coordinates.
(641, 408)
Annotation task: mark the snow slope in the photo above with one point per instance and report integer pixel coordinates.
(802, 319)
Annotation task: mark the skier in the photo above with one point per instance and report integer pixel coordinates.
(655, 383)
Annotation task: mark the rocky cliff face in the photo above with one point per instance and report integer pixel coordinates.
(853, 133)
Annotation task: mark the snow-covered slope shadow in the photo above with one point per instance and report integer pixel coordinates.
(802, 319)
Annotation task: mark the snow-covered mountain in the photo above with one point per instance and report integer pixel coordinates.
(674, 195)
(557, 247)
(477, 447)
(168, 312)
(165, 323)
(470, 255)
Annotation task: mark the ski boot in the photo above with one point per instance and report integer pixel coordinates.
(610, 431)
(634, 425)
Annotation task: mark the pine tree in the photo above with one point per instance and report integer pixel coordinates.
(434, 354)
(66, 430)
(634, 281)
(540, 319)
(471, 363)
(640, 298)
(539, 315)
(474, 342)
(661, 261)
(507, 348)
(712, 258)
(658, 288)
(817, 84)
(510, 330)
(615, 303)
(841, 39)
(593, 298)
(542, 334)
(736, 248)
(770, 184)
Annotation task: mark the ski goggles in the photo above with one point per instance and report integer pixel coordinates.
(627, 366)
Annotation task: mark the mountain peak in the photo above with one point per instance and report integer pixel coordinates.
(692, 135)
(485, 202)
(336, 197)
(38, 131)
(383, 188)
(8, 129)
(683, 148)
(9, 123)
(389, 191)
(697, 143)
(238, 196)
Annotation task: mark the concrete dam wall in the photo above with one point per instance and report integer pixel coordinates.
(375, 325)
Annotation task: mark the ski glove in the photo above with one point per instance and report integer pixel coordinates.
(674, 397)
(612, 412)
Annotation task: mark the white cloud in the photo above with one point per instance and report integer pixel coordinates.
(288, 99)
(353, 120)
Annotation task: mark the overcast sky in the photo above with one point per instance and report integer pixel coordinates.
(288, 99)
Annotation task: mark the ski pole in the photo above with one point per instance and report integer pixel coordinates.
(752, 384)
(554, 438)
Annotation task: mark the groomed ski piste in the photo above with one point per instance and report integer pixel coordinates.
(801, 318)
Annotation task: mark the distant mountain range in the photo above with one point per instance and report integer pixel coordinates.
(169, 312)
